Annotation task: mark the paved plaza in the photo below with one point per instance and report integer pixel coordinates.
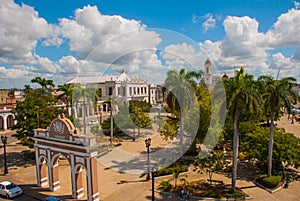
(116, 184)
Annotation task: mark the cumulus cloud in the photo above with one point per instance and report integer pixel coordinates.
(107, 38)
(286, 30)
(20, 28)
(209, 23)
(243, 42)
(69, 64)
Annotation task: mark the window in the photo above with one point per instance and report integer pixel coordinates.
(110, 91)
(124, 91)
(138, 90)
(142, 90)
(100, 92)
(119, 90)
(130, 91)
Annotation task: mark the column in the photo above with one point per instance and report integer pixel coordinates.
(37, 163)
(4, 122)
(51, 187)
(92, 180)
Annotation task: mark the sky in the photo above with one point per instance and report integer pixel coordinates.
(63, 39)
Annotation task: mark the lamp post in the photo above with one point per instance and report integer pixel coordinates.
(4, 141)
(152, 176)
(148, 143)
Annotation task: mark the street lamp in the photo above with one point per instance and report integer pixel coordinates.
(148, 143)
(4, 141)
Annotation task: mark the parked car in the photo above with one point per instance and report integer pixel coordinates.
(92, 122)
(9, 189)
(52, 198)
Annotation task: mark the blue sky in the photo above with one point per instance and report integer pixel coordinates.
(55, 39)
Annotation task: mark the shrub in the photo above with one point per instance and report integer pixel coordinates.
(270, 182)
(165, 186)
(169, 170)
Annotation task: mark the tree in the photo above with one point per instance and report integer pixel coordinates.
(214, 161)
(111, 102)
(66, 96)
(85, 95)
(140, 118)
(286, 148)
(242, 95)
(36, 111)
(182, 96)
(45, 84)
(276, 94)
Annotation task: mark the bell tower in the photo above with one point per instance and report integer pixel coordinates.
(208, 72)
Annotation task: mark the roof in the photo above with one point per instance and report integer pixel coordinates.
(5, 183)
(99, 79)
(207, 62)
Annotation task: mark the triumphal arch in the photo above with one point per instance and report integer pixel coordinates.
(61, 139)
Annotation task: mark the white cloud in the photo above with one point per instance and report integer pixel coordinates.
(209, 23)
(107, 38)
(243, 42)
(20, 28)
(286, 30)
(297, 5)
(69, 64)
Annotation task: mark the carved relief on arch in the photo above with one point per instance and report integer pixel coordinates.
(61, 128)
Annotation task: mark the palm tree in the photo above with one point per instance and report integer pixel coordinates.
(182, 86)
(276, 94)
(87, 95)
(66, 96)
(111, 102)
(241, 94)
(45, 84)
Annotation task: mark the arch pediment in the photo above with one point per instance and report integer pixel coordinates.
(61, 128)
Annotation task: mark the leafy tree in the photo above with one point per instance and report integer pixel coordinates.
(144, 106)
(111, 103)
(182, 96)
(212, 162)
(87, 96)
(45, 84)
(37, 110)
(286, 148)
(170, 128)
(140, 118)
(276, 94)
(66, 96)
(242, 95)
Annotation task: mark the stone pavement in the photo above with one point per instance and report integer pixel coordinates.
(114, 185)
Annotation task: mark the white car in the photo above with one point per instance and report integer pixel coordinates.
(9, 189)
(92, 122)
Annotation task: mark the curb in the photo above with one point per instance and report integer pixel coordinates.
(269, 190)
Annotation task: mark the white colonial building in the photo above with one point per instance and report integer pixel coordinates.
(121, 86)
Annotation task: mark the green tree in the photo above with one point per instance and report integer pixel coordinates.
(66, 96)
(87, 96)
(141, 119)
(181, 86)
(36, 111)
(286, 148)
(211, 162)
(45, 84)
(111, 103)
(276, 94)
(242, 95)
